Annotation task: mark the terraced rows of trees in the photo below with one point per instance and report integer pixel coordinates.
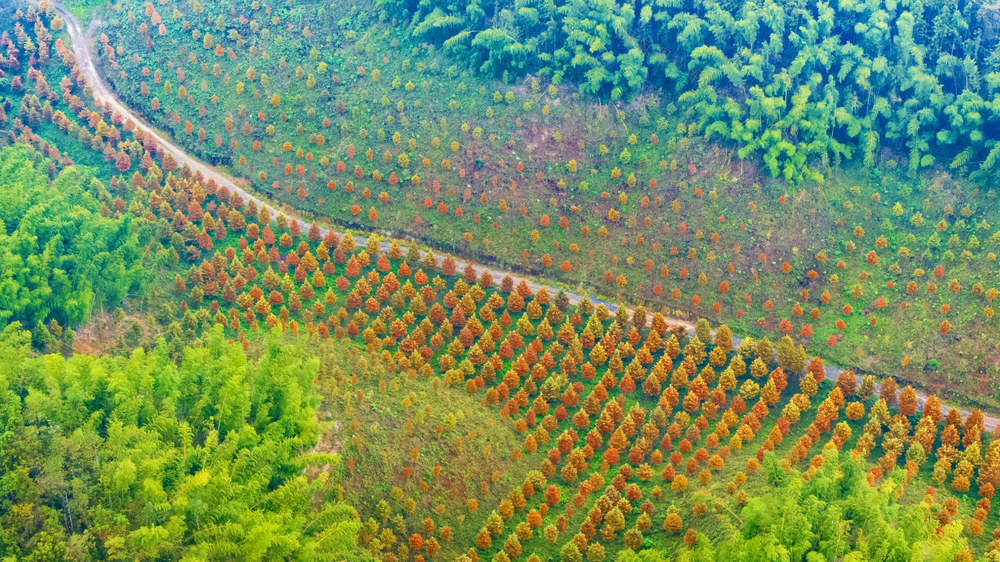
(297, 392)
(610, 403)
(593, 412)
(585, 392)
(876, 269)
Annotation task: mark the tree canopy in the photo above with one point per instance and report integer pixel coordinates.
(140, 458)
(832, 515)
(787, 81)
(60, 256)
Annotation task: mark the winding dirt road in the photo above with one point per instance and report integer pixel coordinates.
(103, 95)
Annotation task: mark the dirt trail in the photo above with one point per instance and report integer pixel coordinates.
(103, 95)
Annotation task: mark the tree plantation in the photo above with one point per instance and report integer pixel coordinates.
(632, 201)
(568, 280)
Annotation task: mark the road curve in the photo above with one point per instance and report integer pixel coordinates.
(103, 94)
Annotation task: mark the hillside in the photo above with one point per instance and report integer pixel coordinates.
(401, 281)
(641, 198)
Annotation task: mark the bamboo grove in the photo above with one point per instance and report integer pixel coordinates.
(784, 82)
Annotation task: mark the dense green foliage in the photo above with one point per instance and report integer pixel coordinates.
(786, 81)
(834, 515)
(139, 458)
(60, 256)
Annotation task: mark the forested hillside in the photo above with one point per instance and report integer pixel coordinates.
(786, 81)
(739, 300)
(835, 514)
(363, 124)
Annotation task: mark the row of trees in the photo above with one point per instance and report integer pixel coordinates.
(382, 157)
